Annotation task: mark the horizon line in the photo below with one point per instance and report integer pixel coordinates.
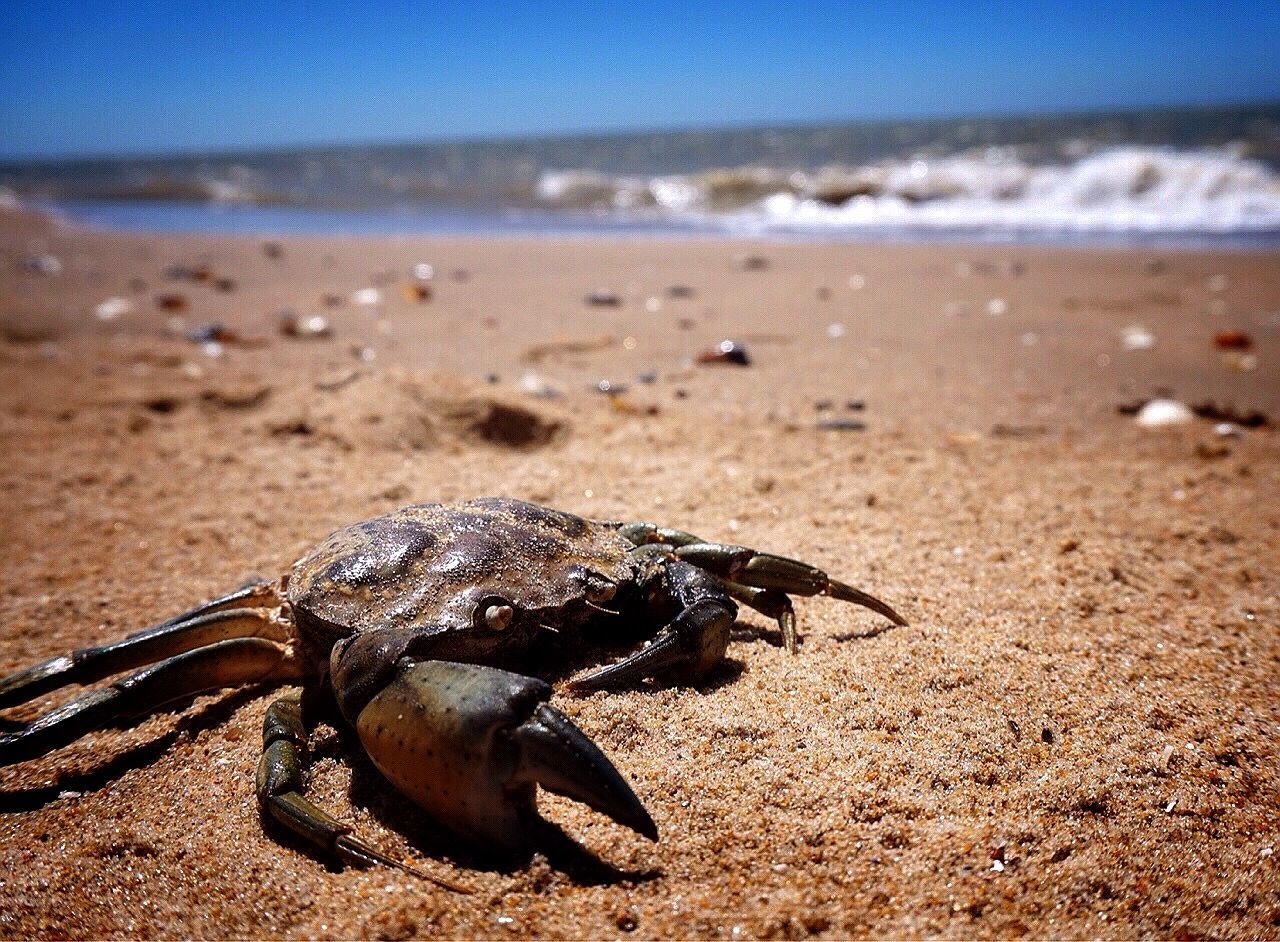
(470, 139)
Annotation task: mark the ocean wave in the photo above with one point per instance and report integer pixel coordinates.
(1121, 189)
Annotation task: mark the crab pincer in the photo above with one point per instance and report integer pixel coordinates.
(470, 744)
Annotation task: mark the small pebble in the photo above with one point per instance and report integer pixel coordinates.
(1240, 362)
(842, 425)
(1232, 340)
(535, 385)
(312, 326)
(726, 351)
(367, 297)
(415, 291)
(1163, 412)
(42, 264)
(750, 262)
(112, 308)
(1137, 337)
(603, 297)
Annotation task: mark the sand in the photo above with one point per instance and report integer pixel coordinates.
(1074, 737)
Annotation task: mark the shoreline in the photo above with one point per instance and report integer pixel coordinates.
(196, 219)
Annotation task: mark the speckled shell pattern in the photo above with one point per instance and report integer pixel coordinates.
(428, 567)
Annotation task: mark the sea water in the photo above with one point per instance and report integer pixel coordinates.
(1192, 176)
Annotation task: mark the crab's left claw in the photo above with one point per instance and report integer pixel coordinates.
(470, 744)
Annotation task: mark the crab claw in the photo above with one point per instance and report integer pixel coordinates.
(470, 744)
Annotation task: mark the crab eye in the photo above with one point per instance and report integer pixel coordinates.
(498, 617)
(602, 591)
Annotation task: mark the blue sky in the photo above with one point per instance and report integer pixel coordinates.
(112, 77)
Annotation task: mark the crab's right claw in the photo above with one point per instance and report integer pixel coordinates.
(470, 744)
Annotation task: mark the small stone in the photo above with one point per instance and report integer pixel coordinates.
(727, 352)
(535, 385)
(112, 308)
(603, 297)
(835, 331)
(212, 332)
(1159, 413)
(415, 291)
(1136, 337)
(997, 306)
(308, 327)
(747, 262)
(366, 297)
(1240, 362)
(842, 425)
(423, 271)
(1232, 340)
(46, 264)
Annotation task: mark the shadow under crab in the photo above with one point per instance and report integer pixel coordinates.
(414, 622)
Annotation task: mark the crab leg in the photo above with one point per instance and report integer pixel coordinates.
(280, 793)
(689, 646)
(237, 614)
(231, 663)
(770, 602)
(767, 571)
(743, 569)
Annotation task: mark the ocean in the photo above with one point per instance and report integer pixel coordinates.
(1208, 176)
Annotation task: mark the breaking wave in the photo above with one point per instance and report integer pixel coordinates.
(1121, 189)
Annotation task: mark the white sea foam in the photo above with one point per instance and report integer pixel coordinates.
(1122, 190)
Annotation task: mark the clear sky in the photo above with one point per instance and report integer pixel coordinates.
(98, 77)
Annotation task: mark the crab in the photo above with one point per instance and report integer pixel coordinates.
(407, 622)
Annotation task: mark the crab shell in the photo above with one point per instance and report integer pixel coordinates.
(433, 569)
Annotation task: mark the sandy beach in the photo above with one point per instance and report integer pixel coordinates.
(1074, 737)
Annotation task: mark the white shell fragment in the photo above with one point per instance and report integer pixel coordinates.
(1161, 412)
(1137, 337)
(111, 308)
(535, 385)
(367, 297)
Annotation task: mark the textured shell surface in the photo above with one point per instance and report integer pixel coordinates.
(429, 565)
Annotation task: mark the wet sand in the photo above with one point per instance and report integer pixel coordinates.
(1074, 737)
